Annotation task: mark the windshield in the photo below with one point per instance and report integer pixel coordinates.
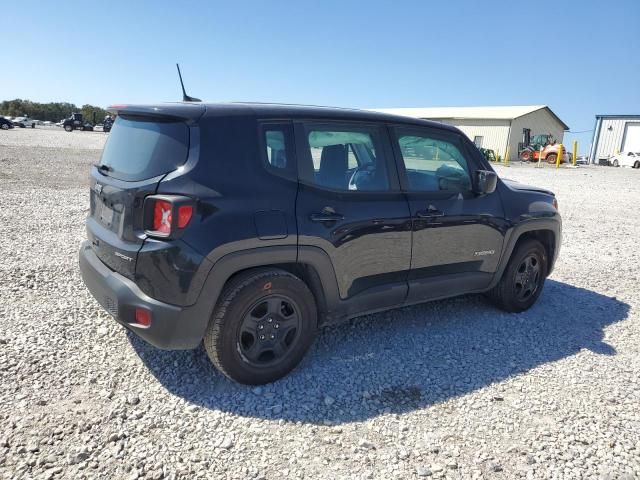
(138, 149)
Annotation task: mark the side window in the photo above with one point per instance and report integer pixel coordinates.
(278, 153)
(276, 148)
(346, 158)
(433, 162)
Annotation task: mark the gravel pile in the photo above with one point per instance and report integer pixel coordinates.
(451, 389)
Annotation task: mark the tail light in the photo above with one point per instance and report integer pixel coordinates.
(555, 203)
(143, 317)
(167, 215)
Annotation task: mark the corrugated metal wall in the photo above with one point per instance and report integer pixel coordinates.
(610, 141)
(540, 121)
(494, 133)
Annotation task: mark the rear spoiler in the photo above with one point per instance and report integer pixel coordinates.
(176, 111)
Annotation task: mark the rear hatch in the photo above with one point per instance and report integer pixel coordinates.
(142, 148)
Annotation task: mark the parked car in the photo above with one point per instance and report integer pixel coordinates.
(23, 122)
(626, 159)
(249, 226)
(582, 160)
(5, 124)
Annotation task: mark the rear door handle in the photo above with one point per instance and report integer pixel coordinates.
(430, 212)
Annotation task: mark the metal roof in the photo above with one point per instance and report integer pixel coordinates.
(491, 113)
(618, 116)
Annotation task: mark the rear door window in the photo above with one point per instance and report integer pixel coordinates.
(138, 149)
(347, 158)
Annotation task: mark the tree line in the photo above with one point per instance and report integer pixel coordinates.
(53, 111)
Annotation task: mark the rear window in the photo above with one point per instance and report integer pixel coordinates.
(138, 149)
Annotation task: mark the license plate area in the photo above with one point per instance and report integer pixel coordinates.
(103, 213)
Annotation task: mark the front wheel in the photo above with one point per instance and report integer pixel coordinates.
(68, 128)
(551, 158)
(615, 163)
(262, 326)
(637, 164)
(523, 279)
(4, 126)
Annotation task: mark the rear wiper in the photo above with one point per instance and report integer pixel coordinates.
(104, 168)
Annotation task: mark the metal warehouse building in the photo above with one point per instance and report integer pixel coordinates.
(613, 134)
(495, 128)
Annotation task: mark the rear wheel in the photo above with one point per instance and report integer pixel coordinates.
(615, 163)
(523, 279)
(637, 164)
(262, 326)
(525, 156)
(68, 128)
(551, 158)
(4, 126)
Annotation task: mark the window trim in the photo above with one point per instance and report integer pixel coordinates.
(447, 136)
(305, 165)
(290, 172)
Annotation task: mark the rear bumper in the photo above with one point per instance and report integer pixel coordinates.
(172, 327)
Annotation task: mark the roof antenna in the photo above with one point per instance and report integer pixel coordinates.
(185, 97)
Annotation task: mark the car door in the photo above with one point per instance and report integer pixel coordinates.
(457, 235)
(350, 205)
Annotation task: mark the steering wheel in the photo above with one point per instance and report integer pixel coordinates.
(361, 176)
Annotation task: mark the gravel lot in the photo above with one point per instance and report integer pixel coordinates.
(451, 389)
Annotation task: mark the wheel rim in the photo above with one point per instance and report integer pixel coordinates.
(615, 163)
(269, 330)
(5, 126)
(527, 278)
(552, 158)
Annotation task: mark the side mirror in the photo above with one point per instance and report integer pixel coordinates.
(486, 182)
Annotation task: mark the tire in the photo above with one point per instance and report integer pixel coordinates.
(637, 164)
(525, 272)
(551, 158)
(525, 156)
(68, 128)
(4, 126)
(21, 125)
(263, 324)
(615, 163)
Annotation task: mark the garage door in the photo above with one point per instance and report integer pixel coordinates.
(631, 142)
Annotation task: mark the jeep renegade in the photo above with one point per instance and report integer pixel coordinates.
(248, 226)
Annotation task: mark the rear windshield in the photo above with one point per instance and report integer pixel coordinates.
(138, 149)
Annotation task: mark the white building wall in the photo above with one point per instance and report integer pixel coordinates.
(539, 122)
(610, 141)
(495, 133)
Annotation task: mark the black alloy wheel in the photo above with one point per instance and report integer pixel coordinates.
(269, 329)
(527, 277)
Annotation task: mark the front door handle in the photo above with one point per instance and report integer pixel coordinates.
(327, 214)
(430, 212)
(326, 217)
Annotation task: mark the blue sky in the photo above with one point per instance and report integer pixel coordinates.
(578, 57)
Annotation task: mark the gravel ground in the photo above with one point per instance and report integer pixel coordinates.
(451, 389)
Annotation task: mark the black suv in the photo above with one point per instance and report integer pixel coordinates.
(249, 226)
